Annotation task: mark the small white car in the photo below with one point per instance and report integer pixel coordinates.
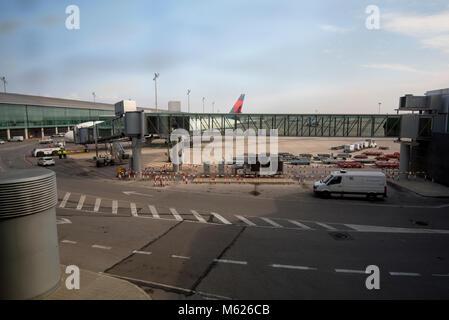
(2, 141)
(46, 161)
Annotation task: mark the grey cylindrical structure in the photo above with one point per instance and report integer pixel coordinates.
(29, 253)
(404, 159)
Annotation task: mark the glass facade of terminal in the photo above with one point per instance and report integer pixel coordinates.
(17, 116)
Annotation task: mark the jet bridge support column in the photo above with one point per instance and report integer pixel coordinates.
(136, 128)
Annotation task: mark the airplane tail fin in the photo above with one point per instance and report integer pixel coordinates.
(237, 108)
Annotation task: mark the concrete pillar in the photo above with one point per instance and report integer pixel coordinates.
(26, 133)
(8, 134)
(68, 129)
(404, 160)
(221, 168)
(56, 130)
(206, 166)
(42, 133)
(136, 160)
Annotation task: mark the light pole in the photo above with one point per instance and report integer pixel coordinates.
(4, 83)
(156, 75)
(203, 103)
(213, 105)
(188, 100)
(94, 95)
(379, 106)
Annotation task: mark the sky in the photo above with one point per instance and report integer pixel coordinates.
(287, 56)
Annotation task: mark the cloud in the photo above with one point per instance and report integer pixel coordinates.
(389, 66)
(331, 28)
(432, 30)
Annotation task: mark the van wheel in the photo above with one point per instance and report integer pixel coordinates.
(326, 194)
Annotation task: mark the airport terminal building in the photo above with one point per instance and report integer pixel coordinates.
(36, 116)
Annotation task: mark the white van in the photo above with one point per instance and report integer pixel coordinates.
(349, 148)
(16, 139)
(370, 183)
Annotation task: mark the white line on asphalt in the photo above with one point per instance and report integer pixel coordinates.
(216, 215)
(198, 216)
(101, 247)
(230, 261)
(114, 206)
(440, 275)
(326, 226)
(97, 204)
(81, 202)
(274, 224)
(407, 274)
(175, 214)
(299, 224)
(64, 200)
(286, 266)
(250, 223)
(133, 209)
(180, 257)
(363, 228)
(141, 252)
(349, 271)
(153, 211)
(69, 241)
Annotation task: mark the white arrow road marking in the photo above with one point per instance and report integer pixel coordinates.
(175, 214)
(286, 266)
(97, 204)
(133, 209)
(440, 275)
(81, 202)
(153, 211)
(180, 257)
(64, 200)
(114, 206)
(63, 221)
(198, 216)
(250, 223)
(101, 247)
(274, 224)
(299, 224)
(219, 217)
(128, 193)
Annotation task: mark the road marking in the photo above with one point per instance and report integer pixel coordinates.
(219, 217)
(175, 214)
(114, 206)
(97, 204)
(440, 275)
(286, 266)
(63, 221)
(153, 211)
(180, 257)
(69, 241)
(101, 247)
(363, 228)
(141, 252)
(326, 226)
(81, 202)
(274, 224)
(407, 274)
(64, 200)
(299, 224)
(198, 216)
(350, 271)
(230, 261)
(250, 223)
(133, 209)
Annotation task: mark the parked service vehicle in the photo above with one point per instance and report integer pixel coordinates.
(369, 183)
(16, 139)
(40, 152)
(46, 161)
(2, 141)
(46, 141)
(301, 161)
(349, 148)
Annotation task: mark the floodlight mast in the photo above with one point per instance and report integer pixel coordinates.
(188, 100)
(4, 83)
(156, 75)
(203, 103)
